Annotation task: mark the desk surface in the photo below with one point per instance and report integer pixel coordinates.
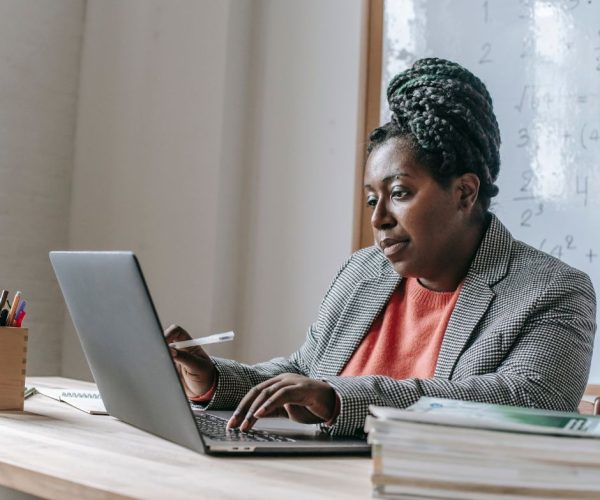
(56, 451)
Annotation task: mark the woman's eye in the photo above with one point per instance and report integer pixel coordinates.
(371, 201)
(399, 193)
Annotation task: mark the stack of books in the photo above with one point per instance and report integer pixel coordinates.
(444, 448)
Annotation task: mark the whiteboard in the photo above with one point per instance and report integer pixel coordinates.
(540, 60)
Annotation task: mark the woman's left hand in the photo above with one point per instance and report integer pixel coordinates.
(289, 395)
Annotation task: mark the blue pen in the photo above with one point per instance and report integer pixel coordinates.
(20, 307)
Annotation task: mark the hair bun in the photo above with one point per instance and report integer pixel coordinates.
(449, 111)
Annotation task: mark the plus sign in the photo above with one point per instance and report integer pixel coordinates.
(590, 255)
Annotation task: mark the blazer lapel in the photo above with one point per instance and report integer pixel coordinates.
(367, 301)
(472, 304)
(489, 266)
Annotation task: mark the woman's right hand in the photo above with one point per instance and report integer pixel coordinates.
(196, 370)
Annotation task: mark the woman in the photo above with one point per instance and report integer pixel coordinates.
(445, 304)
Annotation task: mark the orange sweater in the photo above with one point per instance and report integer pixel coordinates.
(405, 340)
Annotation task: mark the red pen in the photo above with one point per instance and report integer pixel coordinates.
(20, 318)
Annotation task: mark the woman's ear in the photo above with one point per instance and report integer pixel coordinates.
(468, 190)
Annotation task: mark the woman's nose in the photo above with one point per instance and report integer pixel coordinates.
(382, 218)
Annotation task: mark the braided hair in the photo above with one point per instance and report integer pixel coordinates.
(445, 113)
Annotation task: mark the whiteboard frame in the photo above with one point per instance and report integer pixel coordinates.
(369, 113)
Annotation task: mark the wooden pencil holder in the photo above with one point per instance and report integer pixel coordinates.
(13, 359)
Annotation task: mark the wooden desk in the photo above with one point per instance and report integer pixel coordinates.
(56, 451)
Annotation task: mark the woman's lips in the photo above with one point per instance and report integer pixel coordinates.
(394, 248)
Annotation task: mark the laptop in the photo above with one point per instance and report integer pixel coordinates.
(124, 344)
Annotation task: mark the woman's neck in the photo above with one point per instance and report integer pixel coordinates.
(461, 258)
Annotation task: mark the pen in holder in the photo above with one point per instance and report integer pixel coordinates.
(13, 359)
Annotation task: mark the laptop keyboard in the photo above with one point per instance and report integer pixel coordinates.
(216, 428)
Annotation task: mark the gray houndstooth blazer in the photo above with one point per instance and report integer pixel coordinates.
(521, 333)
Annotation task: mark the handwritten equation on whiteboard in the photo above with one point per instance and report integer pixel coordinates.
(540, 60)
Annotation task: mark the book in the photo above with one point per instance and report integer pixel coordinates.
(88, 401)
(488, 416)
(457, 449)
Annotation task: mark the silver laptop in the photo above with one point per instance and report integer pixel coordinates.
(123, 341)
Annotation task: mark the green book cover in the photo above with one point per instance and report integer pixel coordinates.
(490, 416)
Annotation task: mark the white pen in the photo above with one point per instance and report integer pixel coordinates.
(211, 339)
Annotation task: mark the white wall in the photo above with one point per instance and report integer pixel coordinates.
(39, 53)
(149, 149)
(217, 141)
(302, 150)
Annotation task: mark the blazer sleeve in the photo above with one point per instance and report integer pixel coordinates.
(235, 379)
(547, 365)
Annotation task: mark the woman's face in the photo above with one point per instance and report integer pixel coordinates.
(417, 223)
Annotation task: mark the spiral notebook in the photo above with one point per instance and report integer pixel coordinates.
(87, 401)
